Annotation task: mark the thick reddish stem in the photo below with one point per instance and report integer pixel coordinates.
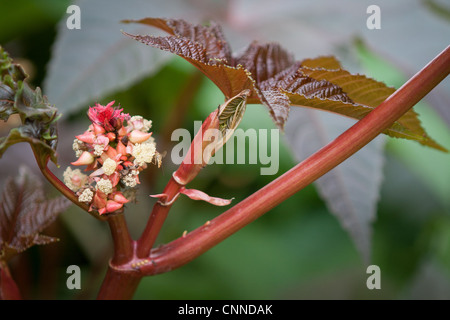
(61, 187)
(119, 285)
(186, 172)
(157, 218)
(8, 287)
(123, 244)
(187, 248)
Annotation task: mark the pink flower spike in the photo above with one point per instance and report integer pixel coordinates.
(200, 195)
(85, 159)
(106, 116)
(137, 136)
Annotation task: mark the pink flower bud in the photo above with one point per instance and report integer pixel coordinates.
(121, 149)
(85, 159)
(129, 148)
(119, 197)
(99, 201)
(137, 136)
(127, 163)
(111, 136)
(112, 206)
(98, 129)
(108, 117)
(87, 137)
(115, 178)
(112, 153)
(122, 132)
(102, 140)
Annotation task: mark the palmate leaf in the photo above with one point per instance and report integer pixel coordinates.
(24, 213)
(208, 37)
(276, 79)
(37, 115)
(370, 93)
(230, 80)
(325, 62)
(351, 190)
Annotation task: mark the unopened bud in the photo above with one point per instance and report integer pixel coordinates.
(85, 159)
(137, 136)
(112, 206)
(87, 137)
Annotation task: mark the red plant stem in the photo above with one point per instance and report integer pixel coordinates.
(192, 245)
(123, 244)
(186, 172)
(61, 187)
(119, 285)
(8, 287)
(116, 285)
(157, 218)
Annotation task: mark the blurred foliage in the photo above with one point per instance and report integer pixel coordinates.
(296, 251)
(438, 8)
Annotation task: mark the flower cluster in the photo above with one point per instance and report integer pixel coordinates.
(116, 148)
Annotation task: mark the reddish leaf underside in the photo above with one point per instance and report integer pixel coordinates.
(24, 213)
(230, 80)
(276, 79)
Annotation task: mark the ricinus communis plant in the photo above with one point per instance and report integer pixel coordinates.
(116, 147)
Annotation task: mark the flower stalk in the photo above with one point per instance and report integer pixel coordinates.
(205, 143)
(116, 153)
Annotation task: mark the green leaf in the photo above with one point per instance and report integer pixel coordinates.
(6, 102)
(366, 94)
(11, 78)
(38, 116)
(325, 62)
(25, 134)
(25, 213)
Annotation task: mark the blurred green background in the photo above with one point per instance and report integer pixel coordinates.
(296, 251)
